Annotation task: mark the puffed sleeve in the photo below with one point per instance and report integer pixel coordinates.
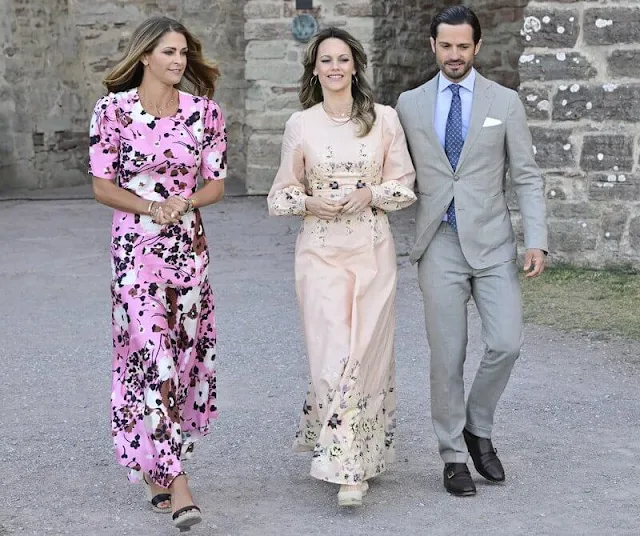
(213, 165)
(287, 196)
(104, 139)
(398, 174)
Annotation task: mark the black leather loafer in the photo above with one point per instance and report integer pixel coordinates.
(457, 480)
(484, 457)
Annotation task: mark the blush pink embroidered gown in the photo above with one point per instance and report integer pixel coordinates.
(164, 335)
(345, 277)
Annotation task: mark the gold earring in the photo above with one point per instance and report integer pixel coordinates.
(314, 79)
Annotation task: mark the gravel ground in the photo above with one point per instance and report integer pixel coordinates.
(567, 428)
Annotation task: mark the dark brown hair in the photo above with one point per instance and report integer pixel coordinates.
(310, 91)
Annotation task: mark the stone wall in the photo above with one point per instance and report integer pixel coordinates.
(39, 94)
(273, 68)
(402, 55)
(9, 175)
(580, 76)
(55, 55)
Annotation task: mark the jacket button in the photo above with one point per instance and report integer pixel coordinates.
(456, 177)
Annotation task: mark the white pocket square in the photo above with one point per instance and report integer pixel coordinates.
(491, 122)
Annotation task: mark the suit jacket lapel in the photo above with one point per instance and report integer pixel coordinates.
(426, 110)
(482, 97)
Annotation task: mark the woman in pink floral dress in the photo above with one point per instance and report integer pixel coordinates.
(150, 139)
(344, 165)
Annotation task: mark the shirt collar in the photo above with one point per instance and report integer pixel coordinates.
(467, 83)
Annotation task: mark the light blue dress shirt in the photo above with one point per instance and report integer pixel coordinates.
(443, 103)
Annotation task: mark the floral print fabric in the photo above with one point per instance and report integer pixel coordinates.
(156, 158)
(163, 390)
(345, 273)
(164, 335)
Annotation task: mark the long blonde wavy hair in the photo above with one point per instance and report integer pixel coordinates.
(200, 74)
(310, 91)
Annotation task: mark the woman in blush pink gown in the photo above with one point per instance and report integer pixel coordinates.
(150, 140)
(344, 165)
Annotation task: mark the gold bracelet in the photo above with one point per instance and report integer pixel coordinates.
(189, 203)
(153, 210)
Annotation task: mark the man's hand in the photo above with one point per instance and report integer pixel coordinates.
(325, 209)
(534, 261)
(356, 201)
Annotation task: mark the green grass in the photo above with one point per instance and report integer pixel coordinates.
(605, 302)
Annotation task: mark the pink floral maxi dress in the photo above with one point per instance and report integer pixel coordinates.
(345, 276)
(164, 336)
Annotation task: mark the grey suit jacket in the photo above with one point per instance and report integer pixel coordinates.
(498, 139)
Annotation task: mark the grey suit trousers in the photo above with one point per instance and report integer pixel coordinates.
(447, 282)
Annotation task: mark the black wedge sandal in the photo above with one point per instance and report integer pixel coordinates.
(155, 500)
(186, 517)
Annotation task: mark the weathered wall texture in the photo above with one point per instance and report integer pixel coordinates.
(39, 95)
(273, 68)
(402, 56)
(8, 168)
(54, 57)
(580, 76)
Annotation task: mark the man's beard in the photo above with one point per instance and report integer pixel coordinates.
(457, 75)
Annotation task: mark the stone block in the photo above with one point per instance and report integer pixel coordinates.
(287, 101)
(503, 14)
(570, 211)
(550, 27)
(264, 150)
(260, 179)
(555, 192)
(267, 30)
(273, 71)
(255, 105)
(604, 152)
(106, 14)
(573, 236)
(611, 25)
(536, 101)
(490, 57)
(634, 234)
(558, 66)
(553, 147)
(272, 122)
(614, 187)
(572, 186)
(263, 10)
(361, 28)
(266, 50)
(614, 219)
(607, 102)
(624, 63)
(357, 8)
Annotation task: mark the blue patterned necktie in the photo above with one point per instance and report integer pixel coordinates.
(453, 142)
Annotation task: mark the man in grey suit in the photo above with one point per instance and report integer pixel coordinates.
(464, 132)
